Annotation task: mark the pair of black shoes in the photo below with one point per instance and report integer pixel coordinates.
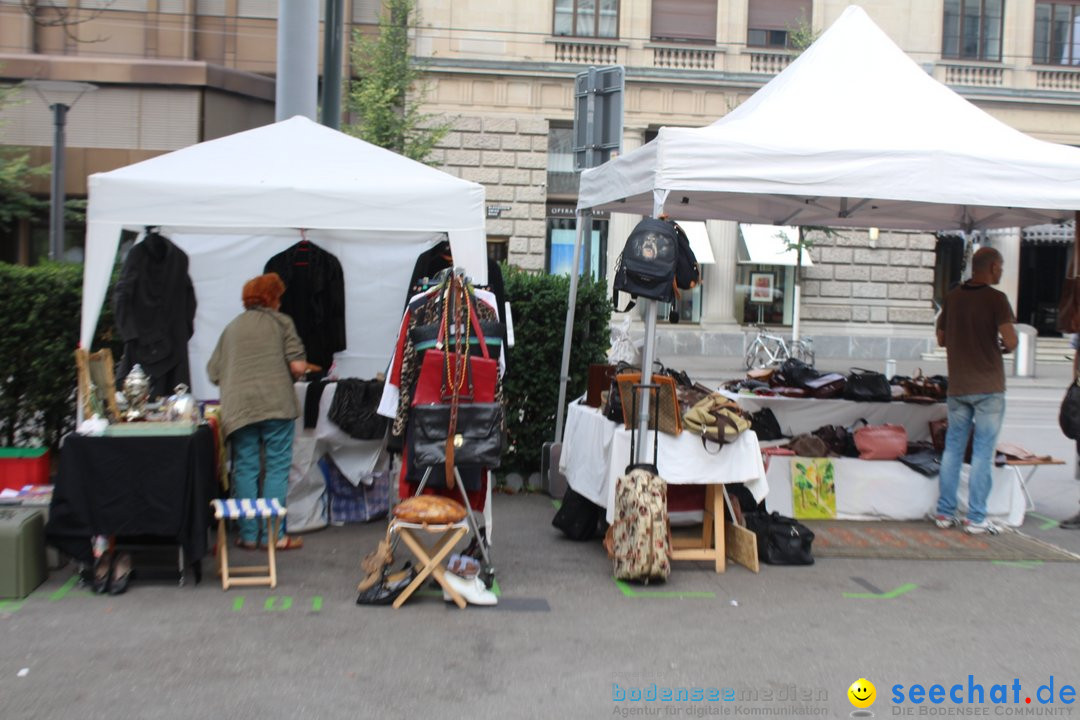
(112, 572)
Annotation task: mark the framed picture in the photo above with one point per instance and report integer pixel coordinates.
(761, 287)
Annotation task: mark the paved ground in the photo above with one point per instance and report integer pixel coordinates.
(566, 641)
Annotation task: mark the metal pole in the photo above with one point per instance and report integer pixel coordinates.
(584, 217)
(297, 60)
(647, 354)
(56, 195)
(332, 52)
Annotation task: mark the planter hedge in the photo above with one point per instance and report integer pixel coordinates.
(532, 384)
(41, 306)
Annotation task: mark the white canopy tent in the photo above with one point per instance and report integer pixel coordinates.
(234, 202)
(853, 133)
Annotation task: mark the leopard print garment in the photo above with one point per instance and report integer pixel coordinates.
(428, 311)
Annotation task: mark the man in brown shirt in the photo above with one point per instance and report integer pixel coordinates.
(975, 327)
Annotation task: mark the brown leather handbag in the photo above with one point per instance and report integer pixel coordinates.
(666, 398)
(881, 442)
(429, 510)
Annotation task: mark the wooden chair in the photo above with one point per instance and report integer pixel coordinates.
(271, 512)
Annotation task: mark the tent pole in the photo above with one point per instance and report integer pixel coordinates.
(647, 353)
(583, 217)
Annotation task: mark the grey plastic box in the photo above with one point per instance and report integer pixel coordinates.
(22, 551)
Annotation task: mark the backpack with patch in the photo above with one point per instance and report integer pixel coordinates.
(687, 271)
(646, 266)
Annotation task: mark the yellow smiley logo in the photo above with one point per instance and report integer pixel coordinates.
(862, 693)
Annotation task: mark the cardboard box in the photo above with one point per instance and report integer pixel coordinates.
(23, 466)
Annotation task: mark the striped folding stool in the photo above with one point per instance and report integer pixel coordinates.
(269, 510)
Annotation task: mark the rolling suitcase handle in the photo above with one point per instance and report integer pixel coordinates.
(652, 389)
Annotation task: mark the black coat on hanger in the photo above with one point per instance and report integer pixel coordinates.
(314, 298)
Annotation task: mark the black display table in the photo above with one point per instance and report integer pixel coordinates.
(141, 486)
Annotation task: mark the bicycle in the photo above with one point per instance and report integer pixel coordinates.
(768, 350)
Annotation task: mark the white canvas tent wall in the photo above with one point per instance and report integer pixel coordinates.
(852, 134)
(234, 202)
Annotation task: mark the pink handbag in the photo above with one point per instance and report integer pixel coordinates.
(881, 442)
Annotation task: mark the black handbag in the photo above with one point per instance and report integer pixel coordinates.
(781, 540)
(578, 517)
(925, 461)
(796, 373)
(477, 442)
(1069, 415)
(867, 386)
(355, 406)
(765, 425)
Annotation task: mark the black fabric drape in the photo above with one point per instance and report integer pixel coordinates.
(314, 298)
(154, 301)
(133, 486)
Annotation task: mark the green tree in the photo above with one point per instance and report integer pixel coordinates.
(388, 90)
(16, 174)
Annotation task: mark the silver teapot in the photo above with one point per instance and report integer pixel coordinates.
(181, 406)
(136, 392)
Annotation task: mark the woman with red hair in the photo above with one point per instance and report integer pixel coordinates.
(255, 362)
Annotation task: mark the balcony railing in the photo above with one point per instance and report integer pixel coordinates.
(586, 52)
(769, 63)
(1067, 80)
(974, 75)
(688, 58)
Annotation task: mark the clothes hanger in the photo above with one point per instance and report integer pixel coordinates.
(302, 247)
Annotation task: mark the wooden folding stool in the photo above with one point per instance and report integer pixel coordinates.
(429, 559)
(269, 510)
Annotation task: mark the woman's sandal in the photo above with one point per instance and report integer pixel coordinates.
(289, 542)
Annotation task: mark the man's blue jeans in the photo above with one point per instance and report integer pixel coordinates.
(276, 437)
(986, 411)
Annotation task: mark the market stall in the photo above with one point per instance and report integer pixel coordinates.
(233, 203)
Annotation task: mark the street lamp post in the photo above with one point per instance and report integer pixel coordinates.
(60, 97)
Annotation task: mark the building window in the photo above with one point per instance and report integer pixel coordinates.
(972, 29)
(684, 20)
(1057, 36)
(587, 18)
(764, 294)
(562, 181)
(561, 236)
(498, 248)
(770, 22)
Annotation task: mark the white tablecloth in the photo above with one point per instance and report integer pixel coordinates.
(803, 415)
(888, 490)
(357, 460)
(596, 451)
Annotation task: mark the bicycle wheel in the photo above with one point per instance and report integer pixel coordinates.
(757, 357)
(802, 351)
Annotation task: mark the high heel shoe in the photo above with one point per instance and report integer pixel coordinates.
(102, 572)
(120, 573)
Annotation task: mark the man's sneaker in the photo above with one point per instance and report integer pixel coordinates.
(1072, 523)
(984, 527)
(943, 521)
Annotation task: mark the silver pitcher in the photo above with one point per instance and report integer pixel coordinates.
(136, 392)
(181, 406)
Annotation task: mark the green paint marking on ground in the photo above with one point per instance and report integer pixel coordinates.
(495, 587)
(1022, 564)
(557, 504)
(1047, 522)
(316, 604)
(65, 589)
(10, 606)
(428, 593)
(628, 591)
(271, 603)
(238, 604)
(894, 593)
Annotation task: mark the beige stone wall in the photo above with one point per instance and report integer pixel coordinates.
(856, 279)
(508, 156)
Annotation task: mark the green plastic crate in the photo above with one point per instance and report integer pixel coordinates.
(22, 551)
